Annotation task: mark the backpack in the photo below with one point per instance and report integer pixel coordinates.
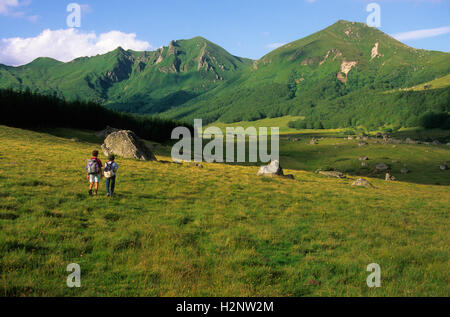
(92, 167)
(109, 171)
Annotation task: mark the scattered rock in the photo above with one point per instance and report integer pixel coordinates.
(361, 143)
(126, 144)
(404, 170)
(194, 164)
(313, 141)
(389, 177)
(381, 167)
(104, 133)
(436, 142)
(362, 183)
(444, 167)
(349, 137)
(395, 141)
(410, 141)
(274, 168)
(75, 140)
(364, 164)
(448, 144)
(332, 174)
(363, 158)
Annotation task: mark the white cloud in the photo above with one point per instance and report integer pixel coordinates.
(10, 8)
(6, 5)
(310, 1)
(421, 34)
(66, 45)
(275, 45)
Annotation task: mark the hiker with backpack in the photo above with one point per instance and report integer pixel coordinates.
(111, 168)
(94, 172)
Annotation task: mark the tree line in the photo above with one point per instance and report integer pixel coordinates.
(25, 109)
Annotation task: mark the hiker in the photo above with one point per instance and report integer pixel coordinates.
(94, 172)
(111, 168)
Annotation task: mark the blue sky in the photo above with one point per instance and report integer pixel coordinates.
(248, 28)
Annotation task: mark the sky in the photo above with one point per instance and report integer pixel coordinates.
(246, 28)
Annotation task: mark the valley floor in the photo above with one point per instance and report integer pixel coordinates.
(179, 230)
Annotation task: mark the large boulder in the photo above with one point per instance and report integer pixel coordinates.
(126, 144)
(107, 131)
(274, 168)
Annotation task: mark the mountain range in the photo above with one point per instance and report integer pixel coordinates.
(345, 75)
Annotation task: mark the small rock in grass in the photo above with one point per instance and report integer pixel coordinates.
(362, 183)
(381, 167)
(332, 174)
(390, 177)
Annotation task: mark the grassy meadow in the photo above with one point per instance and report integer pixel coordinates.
(181, 230)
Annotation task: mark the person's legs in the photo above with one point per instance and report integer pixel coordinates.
(96, 188)
(108, 182)
(91, 184)
(113, 184)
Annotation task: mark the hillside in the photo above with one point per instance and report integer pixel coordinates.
(341, 71)
(337, 77)
(142, 82)
(179, 230)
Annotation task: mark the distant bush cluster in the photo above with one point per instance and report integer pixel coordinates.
(30, 110)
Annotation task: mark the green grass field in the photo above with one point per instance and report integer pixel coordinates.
(281, 122)
(179, 230)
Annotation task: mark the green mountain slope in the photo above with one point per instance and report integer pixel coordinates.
(314, 77)
(143, 82)
(337, 77)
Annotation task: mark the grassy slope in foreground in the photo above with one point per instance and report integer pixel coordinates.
(176, 230)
